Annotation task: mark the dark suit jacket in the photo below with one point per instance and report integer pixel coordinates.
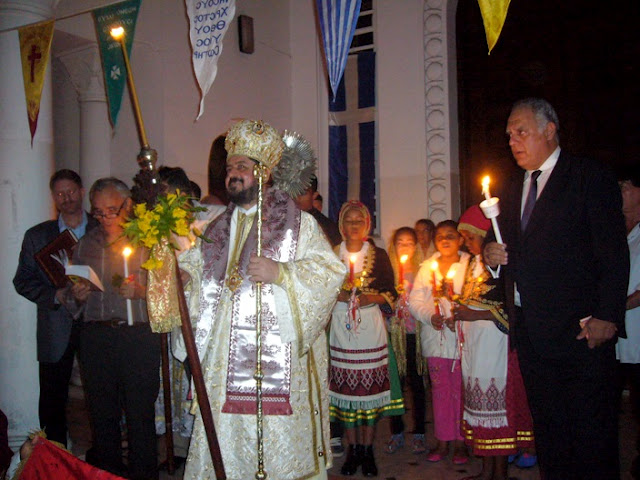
(572, 260)
(54, 322)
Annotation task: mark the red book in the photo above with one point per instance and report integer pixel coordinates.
(51, 257)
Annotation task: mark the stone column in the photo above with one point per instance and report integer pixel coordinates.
(85, 72)
(24, 201)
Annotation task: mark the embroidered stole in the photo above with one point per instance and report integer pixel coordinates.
(280, 232)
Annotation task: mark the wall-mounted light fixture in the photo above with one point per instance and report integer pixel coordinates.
(245, 32)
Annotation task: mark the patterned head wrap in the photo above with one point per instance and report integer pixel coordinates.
(360, 207)
(255, 139)
(474, 221)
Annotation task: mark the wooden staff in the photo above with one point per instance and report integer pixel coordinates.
(198, 381)
(166, 390)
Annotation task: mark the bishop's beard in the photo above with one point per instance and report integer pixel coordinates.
(244, 196)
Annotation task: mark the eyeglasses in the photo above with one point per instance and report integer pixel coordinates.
(112, 214)
(67, 194)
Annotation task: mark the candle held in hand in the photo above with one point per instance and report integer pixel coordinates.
(450, 275)
(126, 252)
(490, 208)
(352, 263)
(434, 268)
(403, 260)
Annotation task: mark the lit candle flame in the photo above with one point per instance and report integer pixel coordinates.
(352, 259)
(127, 251)
(404, 258)
(451, 273)
(434, 265)
(485, 187)
(117, 32)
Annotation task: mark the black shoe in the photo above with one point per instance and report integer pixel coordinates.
(369, 468)
(354, 459)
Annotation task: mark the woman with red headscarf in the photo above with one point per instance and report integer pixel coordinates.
(364, 381)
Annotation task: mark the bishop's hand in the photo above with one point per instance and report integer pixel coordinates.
(262, 269)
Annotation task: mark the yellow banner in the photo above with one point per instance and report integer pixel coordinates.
(494, 13)
(35, 43)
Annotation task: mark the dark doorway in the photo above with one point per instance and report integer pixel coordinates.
(582, 56)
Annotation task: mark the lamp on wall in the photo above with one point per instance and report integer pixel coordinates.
(245, 32)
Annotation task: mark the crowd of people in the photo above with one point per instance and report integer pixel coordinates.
(516, 339)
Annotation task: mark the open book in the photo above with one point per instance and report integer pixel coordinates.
(76, 272)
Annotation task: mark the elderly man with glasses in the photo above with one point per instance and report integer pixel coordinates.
(57, 333)
(120, 356)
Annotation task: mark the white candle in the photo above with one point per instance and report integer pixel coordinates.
(490, 208)
(125, 253)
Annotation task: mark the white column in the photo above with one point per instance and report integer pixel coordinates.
(443, 171)
(85, 73)
(24, 201)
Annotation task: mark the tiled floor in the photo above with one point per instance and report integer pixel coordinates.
(402, 465)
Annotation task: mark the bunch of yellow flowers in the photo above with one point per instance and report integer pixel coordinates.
(172, 214)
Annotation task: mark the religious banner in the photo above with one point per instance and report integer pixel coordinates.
(35, 43)
(494, 13)
(208, 22)
(125, 15)
(338, 19)
(352, 137)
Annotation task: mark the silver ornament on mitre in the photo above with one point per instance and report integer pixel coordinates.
(297, 167)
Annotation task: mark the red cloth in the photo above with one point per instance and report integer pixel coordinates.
(519, 433)
(49, 462)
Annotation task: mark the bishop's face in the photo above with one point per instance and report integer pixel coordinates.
(241, 184)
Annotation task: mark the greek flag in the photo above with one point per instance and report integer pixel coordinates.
(338, 20)
(352, 137)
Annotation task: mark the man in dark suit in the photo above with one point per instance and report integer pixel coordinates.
(56, 333)
(565, 265)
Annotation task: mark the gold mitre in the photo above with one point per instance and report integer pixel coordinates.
(255, 139)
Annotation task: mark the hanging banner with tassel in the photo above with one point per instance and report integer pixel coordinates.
(494, 13)
(125, 15)
(208, 23)
(35, 43)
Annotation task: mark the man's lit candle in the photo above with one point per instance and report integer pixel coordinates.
(125, 253)
(352, 263)
(490, 208)
(403, 260)
(485, 187)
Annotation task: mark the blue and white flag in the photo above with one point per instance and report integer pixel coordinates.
(338, 20)
(352, 137)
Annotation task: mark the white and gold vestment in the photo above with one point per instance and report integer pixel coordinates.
(296, 311)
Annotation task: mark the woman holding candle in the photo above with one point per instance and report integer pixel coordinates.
(403, 332)
(431, 302)
(496, 419)
(363, 376)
